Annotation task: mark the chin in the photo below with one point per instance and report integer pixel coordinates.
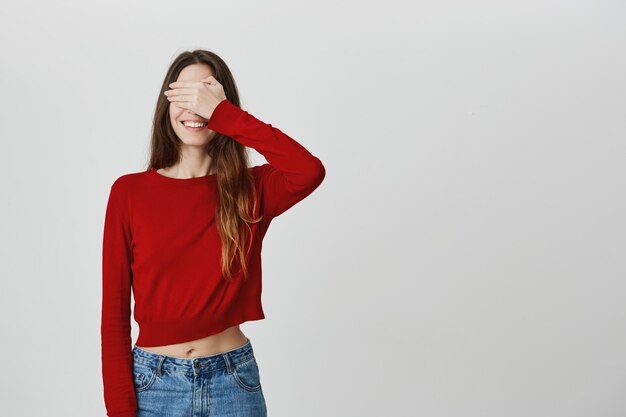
(195, 141)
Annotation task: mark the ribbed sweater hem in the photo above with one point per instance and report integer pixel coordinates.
(160, 333)
(123, 414)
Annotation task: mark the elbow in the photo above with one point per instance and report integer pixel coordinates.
(311, 176)
(318, 173)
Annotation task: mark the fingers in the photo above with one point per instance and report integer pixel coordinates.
(180, 97)
(183, 105)
(178, 91)
(183, 84)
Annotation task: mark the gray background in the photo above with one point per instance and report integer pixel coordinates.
(463, 257)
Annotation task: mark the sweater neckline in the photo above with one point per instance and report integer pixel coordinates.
(182, 181)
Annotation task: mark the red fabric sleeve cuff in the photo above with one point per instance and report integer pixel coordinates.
(223, 118)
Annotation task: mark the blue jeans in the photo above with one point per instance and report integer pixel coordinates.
(226, 384)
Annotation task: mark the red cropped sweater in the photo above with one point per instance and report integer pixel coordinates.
(161, 242)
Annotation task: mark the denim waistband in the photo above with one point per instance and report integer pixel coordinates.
(222, 360)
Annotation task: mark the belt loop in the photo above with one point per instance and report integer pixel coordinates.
(160, 366)
(229, 365)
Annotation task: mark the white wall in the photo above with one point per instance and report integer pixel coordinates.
(463, 257)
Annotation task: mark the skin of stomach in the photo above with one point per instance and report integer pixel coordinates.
(228, 339)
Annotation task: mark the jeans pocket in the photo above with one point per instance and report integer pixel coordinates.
(143, 377)
(246, 374)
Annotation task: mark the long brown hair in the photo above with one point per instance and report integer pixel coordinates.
(229, 160)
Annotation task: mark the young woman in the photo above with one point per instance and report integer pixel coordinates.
(184, 236)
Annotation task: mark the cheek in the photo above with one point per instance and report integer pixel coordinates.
(174, 113)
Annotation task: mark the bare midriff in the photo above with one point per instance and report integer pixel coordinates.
(229, 339)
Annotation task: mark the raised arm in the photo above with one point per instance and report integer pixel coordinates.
(117, 361)
(292, 172)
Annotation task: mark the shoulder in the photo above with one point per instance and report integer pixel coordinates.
(123, 189)
(259, 170)
(129, 180)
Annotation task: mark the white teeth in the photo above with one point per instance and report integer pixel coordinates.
(194, 124)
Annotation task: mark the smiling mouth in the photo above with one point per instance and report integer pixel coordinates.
(195, 128)
(194, 122)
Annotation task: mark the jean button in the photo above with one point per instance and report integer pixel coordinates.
(196, 364)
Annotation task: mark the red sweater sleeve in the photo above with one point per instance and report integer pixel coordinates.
(119, 391)
(292, 172)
